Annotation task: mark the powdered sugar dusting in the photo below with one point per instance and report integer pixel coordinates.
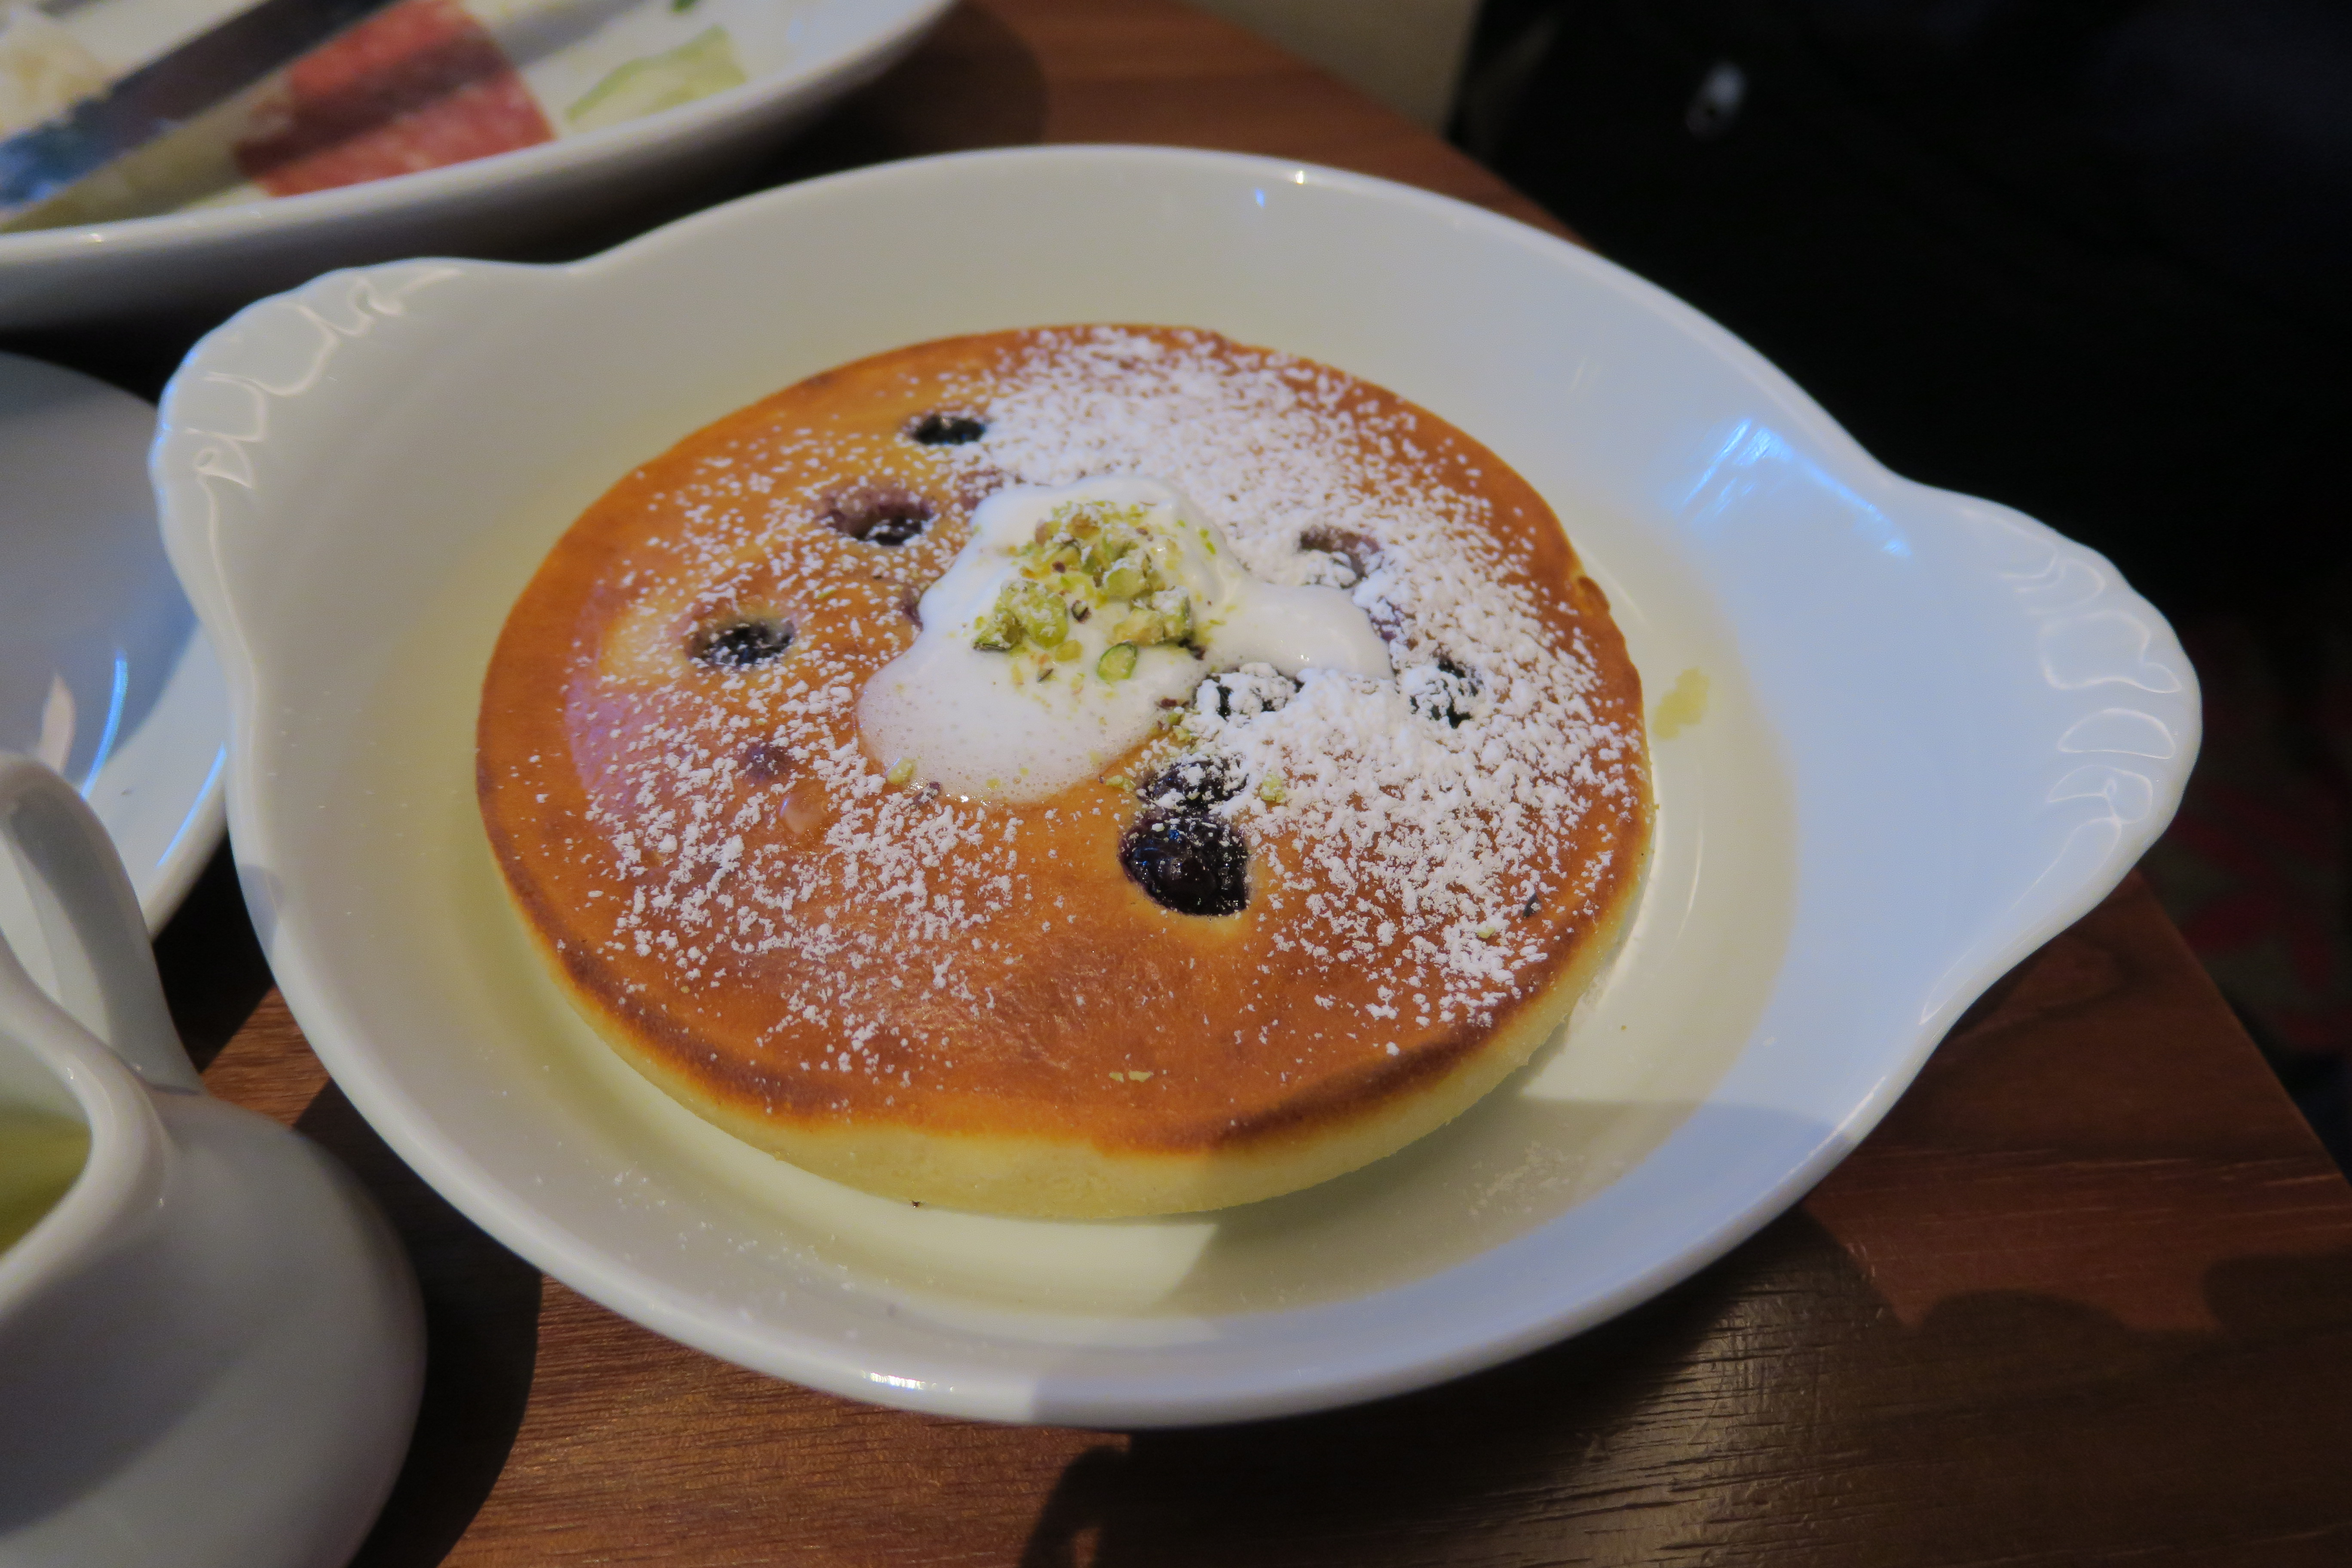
(1422, 845)
(1454, 827)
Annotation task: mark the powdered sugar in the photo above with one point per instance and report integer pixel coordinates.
(1412, 827)
(1442, 795)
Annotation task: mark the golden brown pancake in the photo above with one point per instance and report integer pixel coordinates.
(987, 1004)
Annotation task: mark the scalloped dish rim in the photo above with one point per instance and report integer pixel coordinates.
(2064, 648)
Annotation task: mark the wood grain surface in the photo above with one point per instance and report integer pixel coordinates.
(2085, 1297)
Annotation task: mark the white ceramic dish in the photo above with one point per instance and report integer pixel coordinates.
(803, 55)
(211, 1346)
(1936, 733)
(104, 673)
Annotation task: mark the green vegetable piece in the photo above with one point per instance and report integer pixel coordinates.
(1118, 661)
(703, 64)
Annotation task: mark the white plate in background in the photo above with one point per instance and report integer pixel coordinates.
(798, 56)
(104, 673)
(1936, 733)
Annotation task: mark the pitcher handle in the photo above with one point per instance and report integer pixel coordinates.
(89, 913)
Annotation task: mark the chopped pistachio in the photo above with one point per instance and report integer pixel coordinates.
(1271, 790)
(1115, 542)
(997, 631)
(1174, 608)
(1165, 616)
(1488, 931)
(1125, 579)
(901, 771)
(1042, 613)
(1068, 651)
(1118, 661)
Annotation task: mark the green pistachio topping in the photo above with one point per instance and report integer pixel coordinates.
(1174, 608)
(901, 771)
(1089, 557)
(1041, 612)
(1271, 790)
(1126, 579)
(997, 631)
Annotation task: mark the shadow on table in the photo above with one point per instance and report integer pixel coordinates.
(1775, 1405)
(213, 970)
(481, 1303)
(481, 1332)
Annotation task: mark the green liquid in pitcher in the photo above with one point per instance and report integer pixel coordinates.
(40, 1155)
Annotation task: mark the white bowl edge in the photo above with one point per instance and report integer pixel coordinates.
(2092, 635)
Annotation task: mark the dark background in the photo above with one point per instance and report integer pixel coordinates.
(2091, 259)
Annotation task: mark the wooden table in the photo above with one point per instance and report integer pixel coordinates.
(2086, 1296)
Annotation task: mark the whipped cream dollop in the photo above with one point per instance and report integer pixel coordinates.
(1049, 645)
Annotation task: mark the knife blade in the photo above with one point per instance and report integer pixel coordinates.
(45, 160)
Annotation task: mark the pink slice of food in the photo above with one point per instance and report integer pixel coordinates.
(420, 86)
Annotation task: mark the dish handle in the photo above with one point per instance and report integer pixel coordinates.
(89, 914)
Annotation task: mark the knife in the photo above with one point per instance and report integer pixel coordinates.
(48, 160)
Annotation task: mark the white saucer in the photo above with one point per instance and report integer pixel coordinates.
(104, 673)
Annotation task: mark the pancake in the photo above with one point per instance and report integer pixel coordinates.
(1078, 772)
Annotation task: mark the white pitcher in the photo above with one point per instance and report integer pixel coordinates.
(211, 1344)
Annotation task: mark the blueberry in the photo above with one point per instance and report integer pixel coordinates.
(1444, 691)
(740, 644)
(1189, 862)
(946, 430)
(879, 514)
(1192, 784)
(763, 762)
(1358, 551)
